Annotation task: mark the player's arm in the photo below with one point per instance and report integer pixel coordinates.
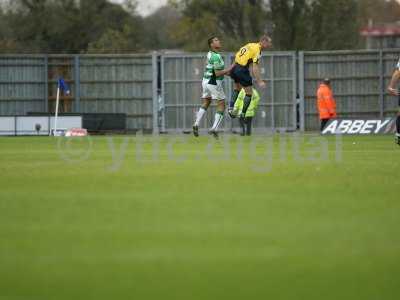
(393, 83)
(224, 72)
(257, 75)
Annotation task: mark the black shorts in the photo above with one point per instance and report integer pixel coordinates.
(241, 75)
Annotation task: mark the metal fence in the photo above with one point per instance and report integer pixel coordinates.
(358, 78)
(99, 84)
(162, 91)
(278, 100)
(119, 84)
(22, 84)
(181, 91)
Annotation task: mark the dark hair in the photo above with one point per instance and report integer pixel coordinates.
(210, 40)
(326, 81)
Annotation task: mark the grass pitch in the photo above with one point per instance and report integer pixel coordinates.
(283, 217)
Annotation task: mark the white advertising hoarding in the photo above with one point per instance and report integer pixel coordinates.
(36, 125)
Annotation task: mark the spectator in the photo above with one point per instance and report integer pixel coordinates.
(245, 123)
(326, 102)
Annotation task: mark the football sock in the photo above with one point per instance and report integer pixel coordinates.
(235, 94)
(246, 104)
(248, 125)
(219, 115)
(199, 116)
(242, 123)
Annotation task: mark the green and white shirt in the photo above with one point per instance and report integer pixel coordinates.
(214, 63)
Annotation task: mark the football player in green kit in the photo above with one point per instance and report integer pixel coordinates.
(212, 87)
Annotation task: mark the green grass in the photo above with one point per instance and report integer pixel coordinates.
(192, 221)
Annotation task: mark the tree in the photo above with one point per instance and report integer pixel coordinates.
(68, 26)
(291, 24)
(101, 20)
(71, 26)
(111, 41)
(379, 11)
(234, 21)
(7, 43)
(157, 27)
(294, 24)
(334, 25)
(315, 24)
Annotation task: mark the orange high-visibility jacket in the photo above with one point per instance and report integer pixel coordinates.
(326, 103)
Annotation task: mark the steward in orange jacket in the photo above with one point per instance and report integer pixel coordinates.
(326, 103)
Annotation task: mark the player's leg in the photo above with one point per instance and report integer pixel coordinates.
(323, 124)
(236, 89)
(242, 124)
(398, 124)
(398, 128)
(202, 110)
(247, 99)
(248, 121)
(235, 93)
(217, 92)
(206, 100)
(200, 113)
(219, 116)
(247, 83)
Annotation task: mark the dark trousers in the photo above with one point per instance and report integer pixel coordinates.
(398, 124)
(245, 124)
(323, 123)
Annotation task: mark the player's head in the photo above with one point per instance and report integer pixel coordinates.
(214, 43)
(265, 42)
(326, 81)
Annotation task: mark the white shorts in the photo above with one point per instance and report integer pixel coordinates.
(215, 92)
